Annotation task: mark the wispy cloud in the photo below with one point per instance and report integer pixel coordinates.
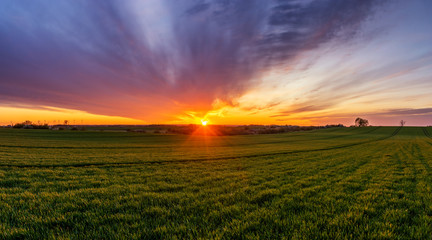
(405, 111)
(115, 58)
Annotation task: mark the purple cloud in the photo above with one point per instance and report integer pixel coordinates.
(109, 57)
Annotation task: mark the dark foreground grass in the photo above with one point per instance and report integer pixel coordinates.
(370, 183)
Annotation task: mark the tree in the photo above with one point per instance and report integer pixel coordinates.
(402, 123)
(66, 122)
(360, 122)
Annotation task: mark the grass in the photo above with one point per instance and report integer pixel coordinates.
(341, 183)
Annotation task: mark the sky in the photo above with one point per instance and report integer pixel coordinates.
(295, 62)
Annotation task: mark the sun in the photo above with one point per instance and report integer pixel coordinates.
(204, 122)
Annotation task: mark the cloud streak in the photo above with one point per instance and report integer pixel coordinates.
(409, 112)
(159, 58)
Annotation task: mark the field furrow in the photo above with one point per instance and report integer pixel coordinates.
(345, 183)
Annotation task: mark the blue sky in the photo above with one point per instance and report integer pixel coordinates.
(234, 62)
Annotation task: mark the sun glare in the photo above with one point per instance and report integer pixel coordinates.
(204, 122)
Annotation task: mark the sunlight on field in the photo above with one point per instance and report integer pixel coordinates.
(371, 182)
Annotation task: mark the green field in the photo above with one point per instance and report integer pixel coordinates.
(337, 183)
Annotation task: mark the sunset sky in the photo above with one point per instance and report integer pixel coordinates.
(297, 62)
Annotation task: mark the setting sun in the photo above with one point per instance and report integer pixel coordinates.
(210, 118)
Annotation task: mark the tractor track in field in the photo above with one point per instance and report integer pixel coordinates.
(426, 133)
(324, 138)
(197, 159)
(75, 147)
(153, 147)
(421, 157)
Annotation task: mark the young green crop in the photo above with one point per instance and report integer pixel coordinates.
(345, 183)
